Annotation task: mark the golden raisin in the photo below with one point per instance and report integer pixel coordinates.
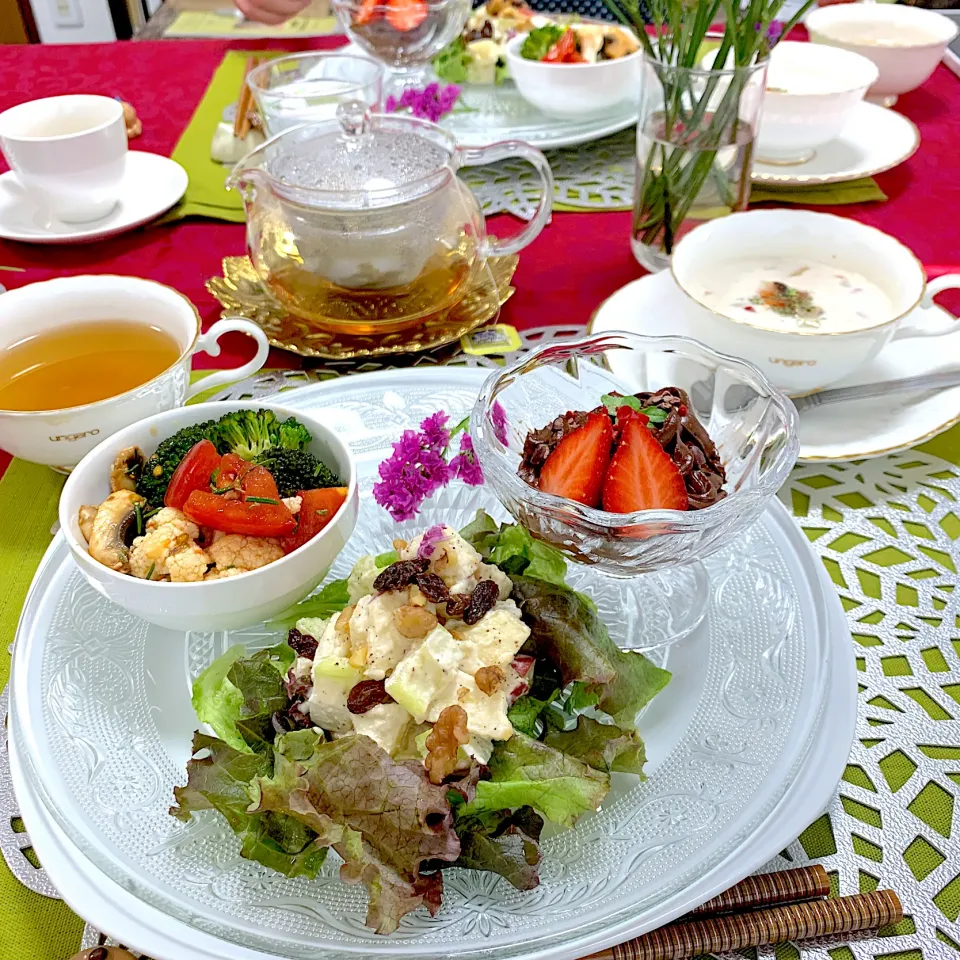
(412, 622)
(489, 679)
(448, 735)
(399, 545)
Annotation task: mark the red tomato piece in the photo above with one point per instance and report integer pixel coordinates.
(406, 15)
(564, 50)
(193, 473)
(317, 509)
(231, 470)
(239, 516)
(258, 482)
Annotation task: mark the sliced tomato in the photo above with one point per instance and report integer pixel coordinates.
(229, 473)
(258, 482)
(406, 15)
(247, 517)
(564, 50)
(317, 509)
(366, 12)
(193, 473)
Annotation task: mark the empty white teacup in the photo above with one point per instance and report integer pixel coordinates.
(69, 154)
(867, 285)
(60, 438)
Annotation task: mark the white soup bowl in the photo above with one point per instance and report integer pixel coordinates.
(234, 602)
(914, 41)
(800, 360)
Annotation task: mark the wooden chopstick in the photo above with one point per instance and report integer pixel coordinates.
(755, 928)
(766, 890)
(241, 122)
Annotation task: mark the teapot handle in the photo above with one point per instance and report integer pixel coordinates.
(510, 149)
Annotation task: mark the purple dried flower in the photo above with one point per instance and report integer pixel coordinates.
(434, 431)
(499, 418)
(430, 103)
(465, 463)
(774, 31)
(429, 542)
(391, 104)
(413, 472)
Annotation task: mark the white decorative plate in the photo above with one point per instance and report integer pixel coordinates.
(836, 432)
(874, 139)
(115, 911)
(102, 702)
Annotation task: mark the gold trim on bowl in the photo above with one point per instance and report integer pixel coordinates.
(240, 293)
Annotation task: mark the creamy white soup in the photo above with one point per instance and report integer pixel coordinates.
(795, 295)
(879, 34)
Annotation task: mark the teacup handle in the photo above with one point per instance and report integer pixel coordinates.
(921, 324)
(507, 150)
(209, 342)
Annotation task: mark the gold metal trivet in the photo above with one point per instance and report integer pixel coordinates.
(240, 294)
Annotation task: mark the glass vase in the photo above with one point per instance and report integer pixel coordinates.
(695, 143)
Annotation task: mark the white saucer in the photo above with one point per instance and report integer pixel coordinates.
(843, 431)
(151, 185)
(875, 139)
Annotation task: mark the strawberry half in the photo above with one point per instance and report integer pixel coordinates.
(576, 467)
(642, 476)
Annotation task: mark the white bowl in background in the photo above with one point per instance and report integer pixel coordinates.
(811, 92)
(240, 601)
(575, 90)
(913, 40)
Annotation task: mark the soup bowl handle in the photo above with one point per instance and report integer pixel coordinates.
(209, 343)
(507, 150)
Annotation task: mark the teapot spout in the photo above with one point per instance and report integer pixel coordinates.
(249, 172)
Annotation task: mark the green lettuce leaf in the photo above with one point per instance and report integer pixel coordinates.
(565, 630)
(525, 713)
(525, 772)
(514, 551)
(602, 746)
(330, 600)
(540, 40)
(220, 780)
(383, 817)
(504, 842)
(238, 694)
(451, 63)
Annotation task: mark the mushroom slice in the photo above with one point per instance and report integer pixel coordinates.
(88, 513)
(113, 525)
(126, 469)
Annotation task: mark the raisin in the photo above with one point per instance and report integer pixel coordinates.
(303, 644)
(399, 574)
(485, 595)
(366, 695)
(457, 604)
(433, 587)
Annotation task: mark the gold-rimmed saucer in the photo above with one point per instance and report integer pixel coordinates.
(240, 294)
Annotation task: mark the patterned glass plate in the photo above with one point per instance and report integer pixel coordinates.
(102, 700)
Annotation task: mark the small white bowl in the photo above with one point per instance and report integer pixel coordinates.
(915, 40)
(240, 601)
(811, 92)
(574, 91)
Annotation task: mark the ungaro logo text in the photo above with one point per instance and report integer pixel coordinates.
(75, 436)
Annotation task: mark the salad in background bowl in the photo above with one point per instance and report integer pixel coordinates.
(213, 516)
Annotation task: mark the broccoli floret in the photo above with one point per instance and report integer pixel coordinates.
(159, 468)
(295, 470)
(248, 434)
(293, 435)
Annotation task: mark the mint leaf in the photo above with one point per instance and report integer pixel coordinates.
(655, 415)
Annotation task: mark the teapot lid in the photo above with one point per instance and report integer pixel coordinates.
(362, 160)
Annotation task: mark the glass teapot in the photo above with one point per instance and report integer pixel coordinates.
(361, 225)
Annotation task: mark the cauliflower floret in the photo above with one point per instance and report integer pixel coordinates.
(375, 640)
(360, 581)
(215, 574)
(168, 516)
(233, 550)
(166, 551)
(293, 504)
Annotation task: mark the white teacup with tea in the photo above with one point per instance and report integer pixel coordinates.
(807, 297)
(82, 357)
(69, 154)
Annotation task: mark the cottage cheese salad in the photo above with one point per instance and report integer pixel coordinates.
(430, 711)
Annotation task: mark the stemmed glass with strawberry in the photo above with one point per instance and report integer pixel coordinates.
(637, 476)
(404, 35)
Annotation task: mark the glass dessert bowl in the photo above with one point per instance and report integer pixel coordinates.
(404, 35)
(523, 414)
